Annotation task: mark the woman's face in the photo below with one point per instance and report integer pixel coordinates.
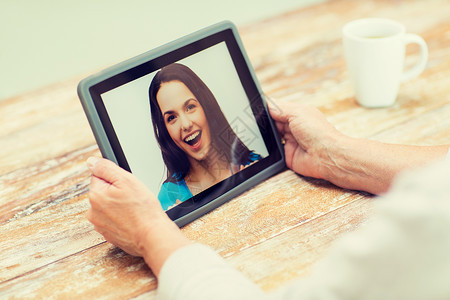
(185, 119)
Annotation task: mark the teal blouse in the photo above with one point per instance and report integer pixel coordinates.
(177, 189)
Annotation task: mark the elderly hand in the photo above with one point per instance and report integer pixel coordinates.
(314, 148)
(310, 140)
(129, 216)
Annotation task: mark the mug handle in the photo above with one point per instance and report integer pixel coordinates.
(420, 66)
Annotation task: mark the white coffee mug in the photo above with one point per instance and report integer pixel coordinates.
(375, 55)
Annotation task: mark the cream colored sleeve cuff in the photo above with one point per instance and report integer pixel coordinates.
(197, 272)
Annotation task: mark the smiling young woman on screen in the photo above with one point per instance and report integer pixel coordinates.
(198, 145)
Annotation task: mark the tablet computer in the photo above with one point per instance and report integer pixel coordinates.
(188, 119)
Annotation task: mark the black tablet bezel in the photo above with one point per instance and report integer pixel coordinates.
(90, 91)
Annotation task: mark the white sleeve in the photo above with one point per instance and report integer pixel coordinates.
(196, 272)
(401, 253)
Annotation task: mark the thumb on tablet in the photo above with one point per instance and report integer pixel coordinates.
(105, 169)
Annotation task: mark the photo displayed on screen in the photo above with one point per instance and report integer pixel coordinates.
(187, 126)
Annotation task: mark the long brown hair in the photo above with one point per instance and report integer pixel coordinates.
(224, 139)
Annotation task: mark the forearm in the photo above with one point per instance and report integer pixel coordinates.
(371, 165)
(159, 242)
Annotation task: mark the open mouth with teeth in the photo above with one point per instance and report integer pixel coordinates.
(193, 138)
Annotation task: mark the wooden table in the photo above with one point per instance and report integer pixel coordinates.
(275, 231)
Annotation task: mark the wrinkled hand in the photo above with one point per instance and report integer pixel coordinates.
(122, 208)
(129, 215)
(308, 138)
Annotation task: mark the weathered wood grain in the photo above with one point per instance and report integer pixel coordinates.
(124, 276)
(431, 128)
(273, 232)
(42, 125)
(44, 184)
(100, 272)
(62, 229)
(303, 246)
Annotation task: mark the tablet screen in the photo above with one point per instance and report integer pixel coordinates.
(190, 123)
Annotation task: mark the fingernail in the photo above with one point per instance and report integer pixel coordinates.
(91, 161)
